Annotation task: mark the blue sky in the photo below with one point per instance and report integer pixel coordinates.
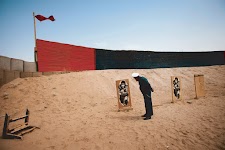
(155, 25)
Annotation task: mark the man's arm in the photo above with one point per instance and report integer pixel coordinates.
(151, 88)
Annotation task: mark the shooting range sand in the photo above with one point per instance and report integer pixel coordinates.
(79, 111)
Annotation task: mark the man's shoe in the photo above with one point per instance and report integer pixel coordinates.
(143, 115)
(147, 118)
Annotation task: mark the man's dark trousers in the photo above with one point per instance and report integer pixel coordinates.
(148, 104)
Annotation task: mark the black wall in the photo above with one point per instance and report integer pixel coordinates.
(108, 59)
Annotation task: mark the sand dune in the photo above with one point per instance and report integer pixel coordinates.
(79, 111)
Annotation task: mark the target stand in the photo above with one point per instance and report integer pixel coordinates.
(123, 95)
(19, 130)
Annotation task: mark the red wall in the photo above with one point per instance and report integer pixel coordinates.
(53, 56)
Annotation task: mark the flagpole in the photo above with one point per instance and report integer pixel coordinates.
(34, 30)
(35, 43)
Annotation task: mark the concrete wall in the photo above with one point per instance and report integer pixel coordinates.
(16, 74)
(8, 76)
(37, 74)
(11, 69)
(55, 72)
(16, 65)
(11, 64)
(26, 74)
(29, 66)
(5, 63)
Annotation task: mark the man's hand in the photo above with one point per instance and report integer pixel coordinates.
(152, 90)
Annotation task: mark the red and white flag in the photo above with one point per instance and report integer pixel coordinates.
(42, 18)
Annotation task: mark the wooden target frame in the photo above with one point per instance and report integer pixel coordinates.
(199, 85)
(176, 88)
(123, 95)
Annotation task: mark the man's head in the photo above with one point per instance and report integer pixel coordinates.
(136, 76)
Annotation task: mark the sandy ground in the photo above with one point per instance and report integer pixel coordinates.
(79, 111)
